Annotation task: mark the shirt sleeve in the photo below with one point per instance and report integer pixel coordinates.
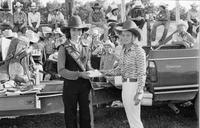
(141, 69)
(29, 20)
(38, 20)
(65, 73)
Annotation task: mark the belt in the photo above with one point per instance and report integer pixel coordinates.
(129, 80)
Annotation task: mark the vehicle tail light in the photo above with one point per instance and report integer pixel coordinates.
(152, 71)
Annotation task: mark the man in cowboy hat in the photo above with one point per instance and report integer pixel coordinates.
(6, 18)
(137, 14)
(112, 16)
(20, 19)
(182, 36)
(37, 51)
(193, 18)
(55, 17)
(73, 64)
(34, 18)
(162, 18)
(97, 17)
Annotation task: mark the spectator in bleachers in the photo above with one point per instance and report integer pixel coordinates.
(112, 16)
(6, 18)
(20, 19)
(55, 17)
(193, 18)
(34, 18)
(137, 14)
(162, 18)
(182, 36)
(97, 17)
(49, 43)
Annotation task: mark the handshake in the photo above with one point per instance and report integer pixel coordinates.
(90, 74)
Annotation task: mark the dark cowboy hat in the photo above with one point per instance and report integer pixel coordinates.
(75, 22)
(96, 6)
(129, 25)
(4, 7)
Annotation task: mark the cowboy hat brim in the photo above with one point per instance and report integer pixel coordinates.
(83, 27)
(136, 31)
(4, 9)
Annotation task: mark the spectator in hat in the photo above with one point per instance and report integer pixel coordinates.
(137, 14)
(97, 17)
(55, 17)
(20, 19)
(162, 18)
(182, 36)
(112, 16)
(9, 34)
(108, 59)
(34, 18)
(58, 37)
(49, 42)
(6, 18)
(193, 18)
(37, 51)
(73, 64)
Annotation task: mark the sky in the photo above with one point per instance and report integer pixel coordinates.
(171, 3)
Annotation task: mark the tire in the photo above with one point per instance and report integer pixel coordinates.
(196, 106)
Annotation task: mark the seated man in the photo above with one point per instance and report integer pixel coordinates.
(193, 18)
(55, 17)
(6, 18)
(97, 17)
(20, 19)
(34, 18)
(182, 36)
(137, 14)
(162, 18)
(112, 16)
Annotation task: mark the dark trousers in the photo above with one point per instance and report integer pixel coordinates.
(190, 27)
(154, 29)
(17, 28)
(139, 23)
(73, 93)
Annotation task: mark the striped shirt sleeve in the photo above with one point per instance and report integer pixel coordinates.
(141, 68)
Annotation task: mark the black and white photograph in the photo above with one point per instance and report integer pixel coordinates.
(99, 63)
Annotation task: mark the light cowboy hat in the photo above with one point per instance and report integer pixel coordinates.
(129, 25)
(18, 5)
(138, 3)
(58, 31)
(32, 36)
(46, 30)
(33, 5)
(114, 7)
(182, 23)
(194, 5)
(75, 22)
(96, 6)
(8, 33)
(163, 5)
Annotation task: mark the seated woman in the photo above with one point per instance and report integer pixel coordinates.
(182, 37)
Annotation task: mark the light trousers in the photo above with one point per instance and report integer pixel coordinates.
(129, 90)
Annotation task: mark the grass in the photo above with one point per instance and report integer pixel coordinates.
(152, 117)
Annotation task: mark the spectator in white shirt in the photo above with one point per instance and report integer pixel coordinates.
(56, 18)
(34, 18)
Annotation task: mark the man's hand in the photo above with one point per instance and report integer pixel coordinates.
(84, 75)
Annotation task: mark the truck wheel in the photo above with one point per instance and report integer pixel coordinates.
(196, 106)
